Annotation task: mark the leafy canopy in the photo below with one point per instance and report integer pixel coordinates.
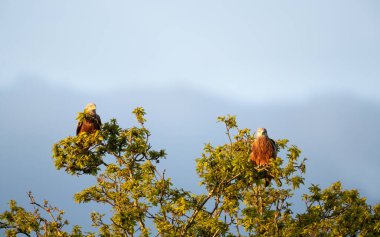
(144, 201)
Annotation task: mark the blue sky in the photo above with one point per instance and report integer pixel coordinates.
(251, 51)
(306, 70)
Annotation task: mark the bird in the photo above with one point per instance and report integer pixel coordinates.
(263, 148)
(91, 121)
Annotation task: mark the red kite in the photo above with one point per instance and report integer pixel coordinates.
(263, 148)
(91, 121)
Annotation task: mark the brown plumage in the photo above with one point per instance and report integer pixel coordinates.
(91, 121)
(263, 148)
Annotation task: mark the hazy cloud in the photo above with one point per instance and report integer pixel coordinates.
(248, 51)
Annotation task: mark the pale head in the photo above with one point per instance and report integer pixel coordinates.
(262, 132)
(90, 108)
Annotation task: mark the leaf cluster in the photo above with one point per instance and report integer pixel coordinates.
(44, 220)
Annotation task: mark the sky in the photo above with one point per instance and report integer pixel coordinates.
(256, 51)
(306, 70)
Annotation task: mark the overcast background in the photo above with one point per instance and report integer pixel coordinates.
(307, 71)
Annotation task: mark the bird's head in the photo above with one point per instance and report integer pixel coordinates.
(262, 132)
(90, 108)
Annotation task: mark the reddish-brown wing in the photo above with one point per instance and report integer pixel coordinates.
(90, 124)
(263, 149)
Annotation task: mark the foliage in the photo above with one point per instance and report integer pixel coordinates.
(19, 221)
(238, 200)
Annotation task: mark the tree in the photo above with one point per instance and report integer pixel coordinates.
(144, 201)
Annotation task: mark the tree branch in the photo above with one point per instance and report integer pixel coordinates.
(192, 218)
